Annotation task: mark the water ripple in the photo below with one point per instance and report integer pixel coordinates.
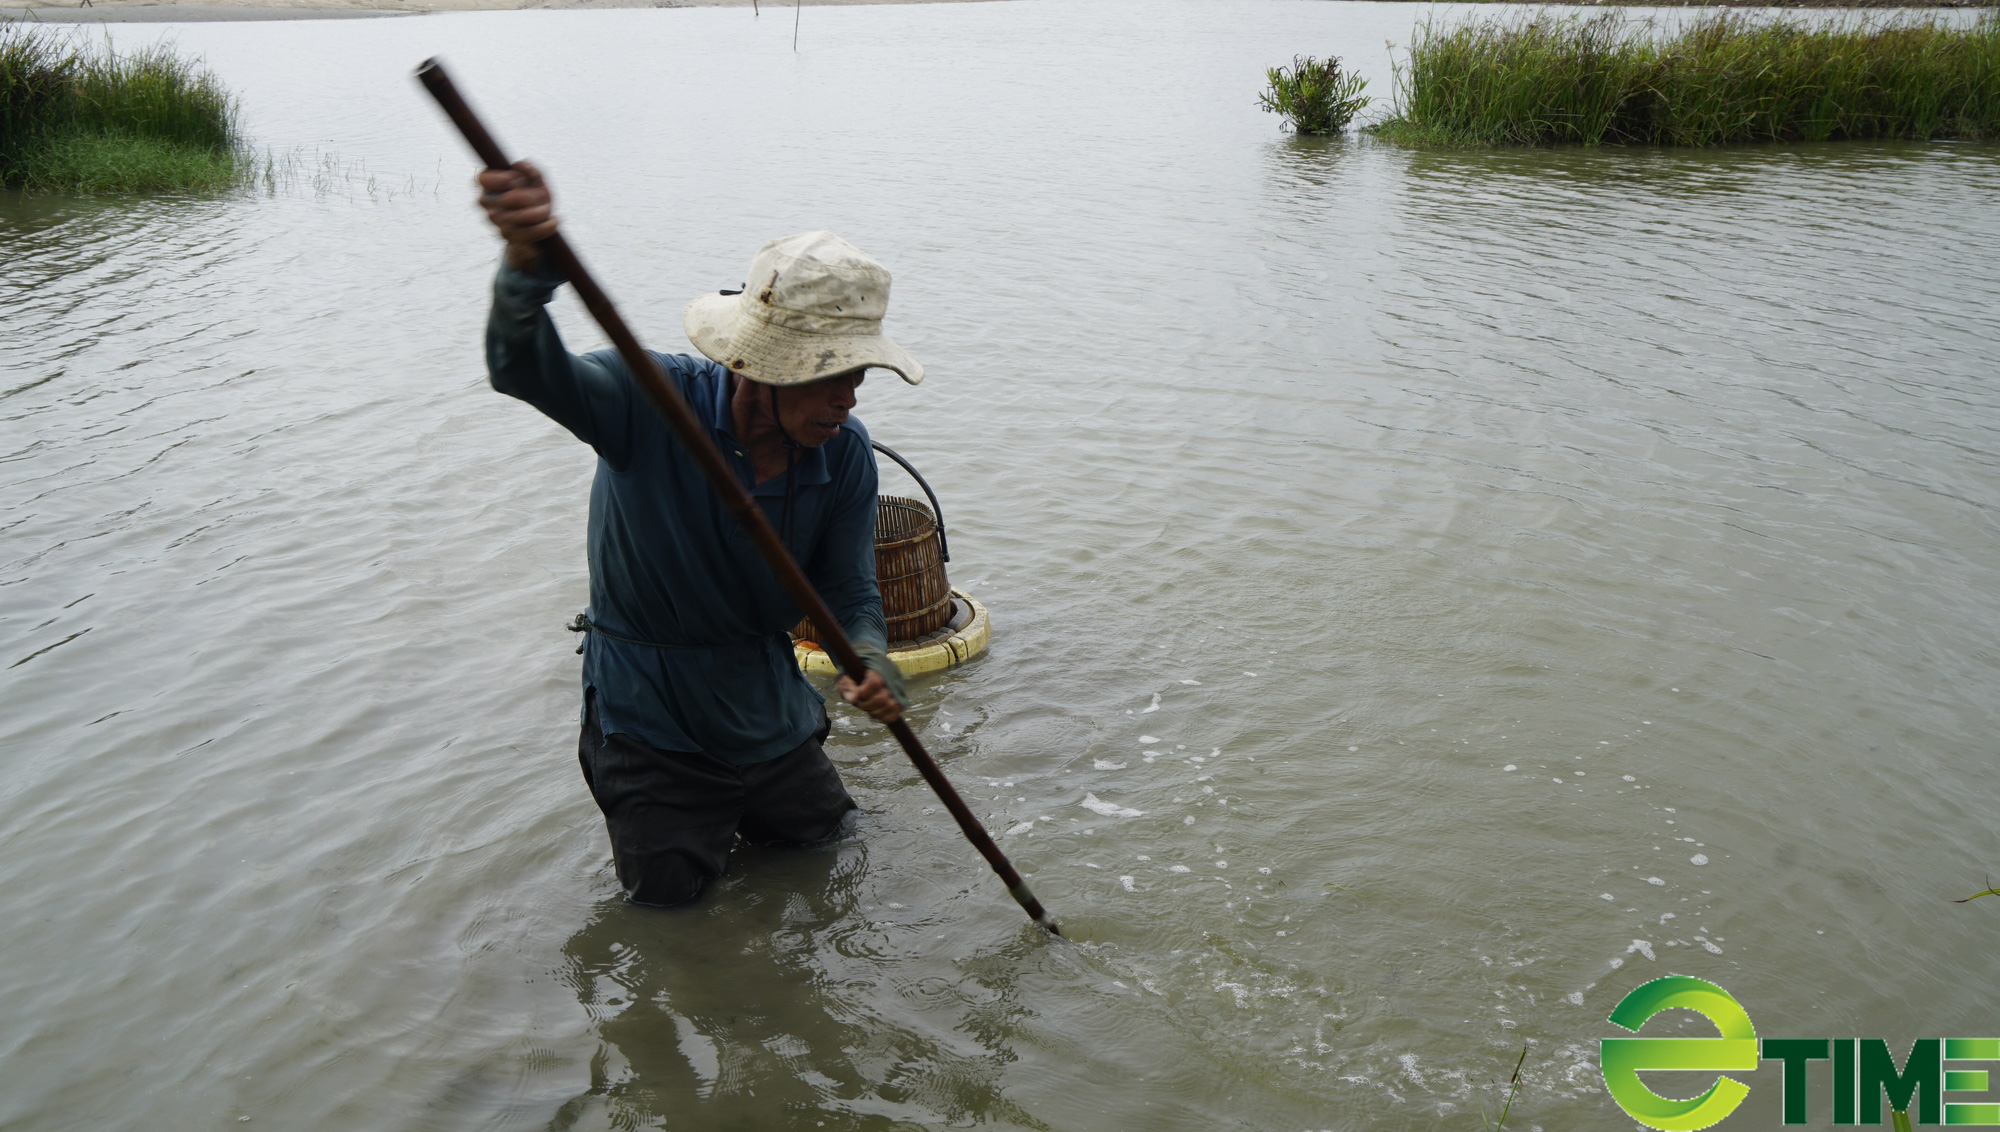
(1356, 474)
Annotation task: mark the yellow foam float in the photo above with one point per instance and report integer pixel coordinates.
(961, 639)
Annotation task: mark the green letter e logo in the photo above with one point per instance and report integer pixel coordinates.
(1622, 1058)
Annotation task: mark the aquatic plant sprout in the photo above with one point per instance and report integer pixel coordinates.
(1991, 890)
(1726, 77)
(1314, 96)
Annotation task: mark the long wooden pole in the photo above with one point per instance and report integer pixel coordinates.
(735, 499)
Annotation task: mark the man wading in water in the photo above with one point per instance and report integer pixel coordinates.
(697, 724)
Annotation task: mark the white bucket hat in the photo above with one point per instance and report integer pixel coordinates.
(811, 308)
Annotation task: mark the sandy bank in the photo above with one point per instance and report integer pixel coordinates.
(143, 11)
(146, 11)
(112, 13)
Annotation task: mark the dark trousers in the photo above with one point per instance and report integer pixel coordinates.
(673, 815)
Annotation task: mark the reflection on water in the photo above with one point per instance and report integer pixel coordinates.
(1493, 578)
(759, 1005)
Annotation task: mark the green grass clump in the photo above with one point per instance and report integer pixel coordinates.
(97, 121)
(1543, 80)
(1313, 95)
(122, 163)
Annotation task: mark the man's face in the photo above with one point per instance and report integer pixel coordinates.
(813, 413)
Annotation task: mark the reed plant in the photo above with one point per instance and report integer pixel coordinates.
(1513, 1090)
(77, 119)
(1314, 95)
(1725, 77)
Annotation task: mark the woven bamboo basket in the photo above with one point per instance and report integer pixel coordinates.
(909, 570)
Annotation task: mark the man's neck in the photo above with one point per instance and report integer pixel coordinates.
(756, 427)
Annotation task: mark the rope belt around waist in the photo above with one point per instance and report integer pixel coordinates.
(582, 623)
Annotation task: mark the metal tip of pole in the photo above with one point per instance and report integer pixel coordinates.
(1033, 907)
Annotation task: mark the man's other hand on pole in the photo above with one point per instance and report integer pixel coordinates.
(872, 696)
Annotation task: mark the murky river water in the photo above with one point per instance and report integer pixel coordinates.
(1496, 578)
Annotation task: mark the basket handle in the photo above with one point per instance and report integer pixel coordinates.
(944, 548)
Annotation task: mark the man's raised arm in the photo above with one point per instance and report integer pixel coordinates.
(591, 395)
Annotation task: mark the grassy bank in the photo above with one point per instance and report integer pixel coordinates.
(82, 120)
(1547, 79)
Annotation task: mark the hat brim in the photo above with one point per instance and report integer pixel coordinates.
(770, 354)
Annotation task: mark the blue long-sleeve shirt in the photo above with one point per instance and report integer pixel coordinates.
(670, 567)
